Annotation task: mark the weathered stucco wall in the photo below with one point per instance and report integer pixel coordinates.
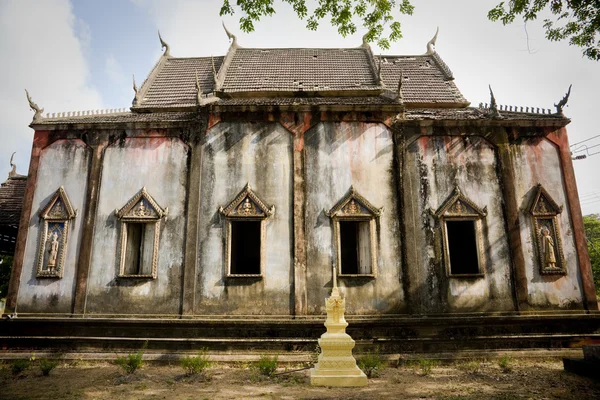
(159, 164)
(537, 161)
(63, 163)
(235, 154)
(434, 165)
(339, 155)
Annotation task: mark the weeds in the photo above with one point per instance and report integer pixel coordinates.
(470, 367)
(18, 366)
(371, 364)
(133, 361)
(505, 363)
(426, 365)
(47, 365)
(266, 365)
(314, 357)
(194, 365)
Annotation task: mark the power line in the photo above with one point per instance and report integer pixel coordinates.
(583, 141)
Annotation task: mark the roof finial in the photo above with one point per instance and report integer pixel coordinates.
(35, 107)
(230, 35)
(135, 90)
(365, 42)
(164, 45)
(13, 171)
(431, 43)
(493, 105)
(563, 102)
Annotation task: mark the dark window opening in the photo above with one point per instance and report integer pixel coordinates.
(245, 247)
(462, 246)
(355, 247)
(134, 249)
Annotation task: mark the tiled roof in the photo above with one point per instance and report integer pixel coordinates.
(121, 117)
(175, 82)
(473, 113)
(12, 192)
(256, 70)
(266, 72)
(426, 79)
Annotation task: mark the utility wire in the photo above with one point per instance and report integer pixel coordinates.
(583, 141)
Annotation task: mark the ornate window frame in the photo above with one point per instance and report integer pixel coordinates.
(544, 215)
(458, 207)
(354, 207)
(246, 206)
(55, 219)
(141, 209)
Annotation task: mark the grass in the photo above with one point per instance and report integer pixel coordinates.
(506, 363)
(18, 366)
(133, 361)
(47, 365)
(266, 365)
(371, 364)
(426, 365)
(194, 365)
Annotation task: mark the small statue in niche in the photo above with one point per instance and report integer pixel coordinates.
(352, 208)
(53, 251)
(141, 210)
(246, 207)
(548, 249)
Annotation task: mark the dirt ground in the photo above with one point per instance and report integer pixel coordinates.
(469, 380)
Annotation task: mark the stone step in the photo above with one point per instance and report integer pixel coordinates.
(592, 352)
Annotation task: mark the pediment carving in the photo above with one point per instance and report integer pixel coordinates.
(458, 205)
(353, 204)
(247, 204)
(542, 204)
(142, 207)
(59, 207)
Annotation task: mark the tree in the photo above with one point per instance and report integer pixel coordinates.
(575, 20)
(375, 15)
(592, 233)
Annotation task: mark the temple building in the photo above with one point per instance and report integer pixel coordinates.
(238, 185)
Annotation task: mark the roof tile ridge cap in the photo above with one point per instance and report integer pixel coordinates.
(222, 74)
(150, 79)
(375, 67)
(442, 65)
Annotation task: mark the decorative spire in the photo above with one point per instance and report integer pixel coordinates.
(164, 45)
(13, 171)
(135, 90)
(493, 105)
(230, 35)
(431, 43)
(38, 111)
(365, 43)
(563, 102)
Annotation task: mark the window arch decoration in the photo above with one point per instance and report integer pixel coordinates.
(546, 231)
(55, 219)
(354, 231)
(139, 223)
(245, 220)
(462, 235)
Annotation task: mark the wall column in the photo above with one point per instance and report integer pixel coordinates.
(507, 172)
(190, 262)
(99, 144)
(560, 139)
(40, 141)
(298, 124)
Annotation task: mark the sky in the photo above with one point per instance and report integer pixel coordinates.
(81, 54)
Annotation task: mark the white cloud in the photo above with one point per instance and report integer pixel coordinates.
(114, 70)
(42, 50)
